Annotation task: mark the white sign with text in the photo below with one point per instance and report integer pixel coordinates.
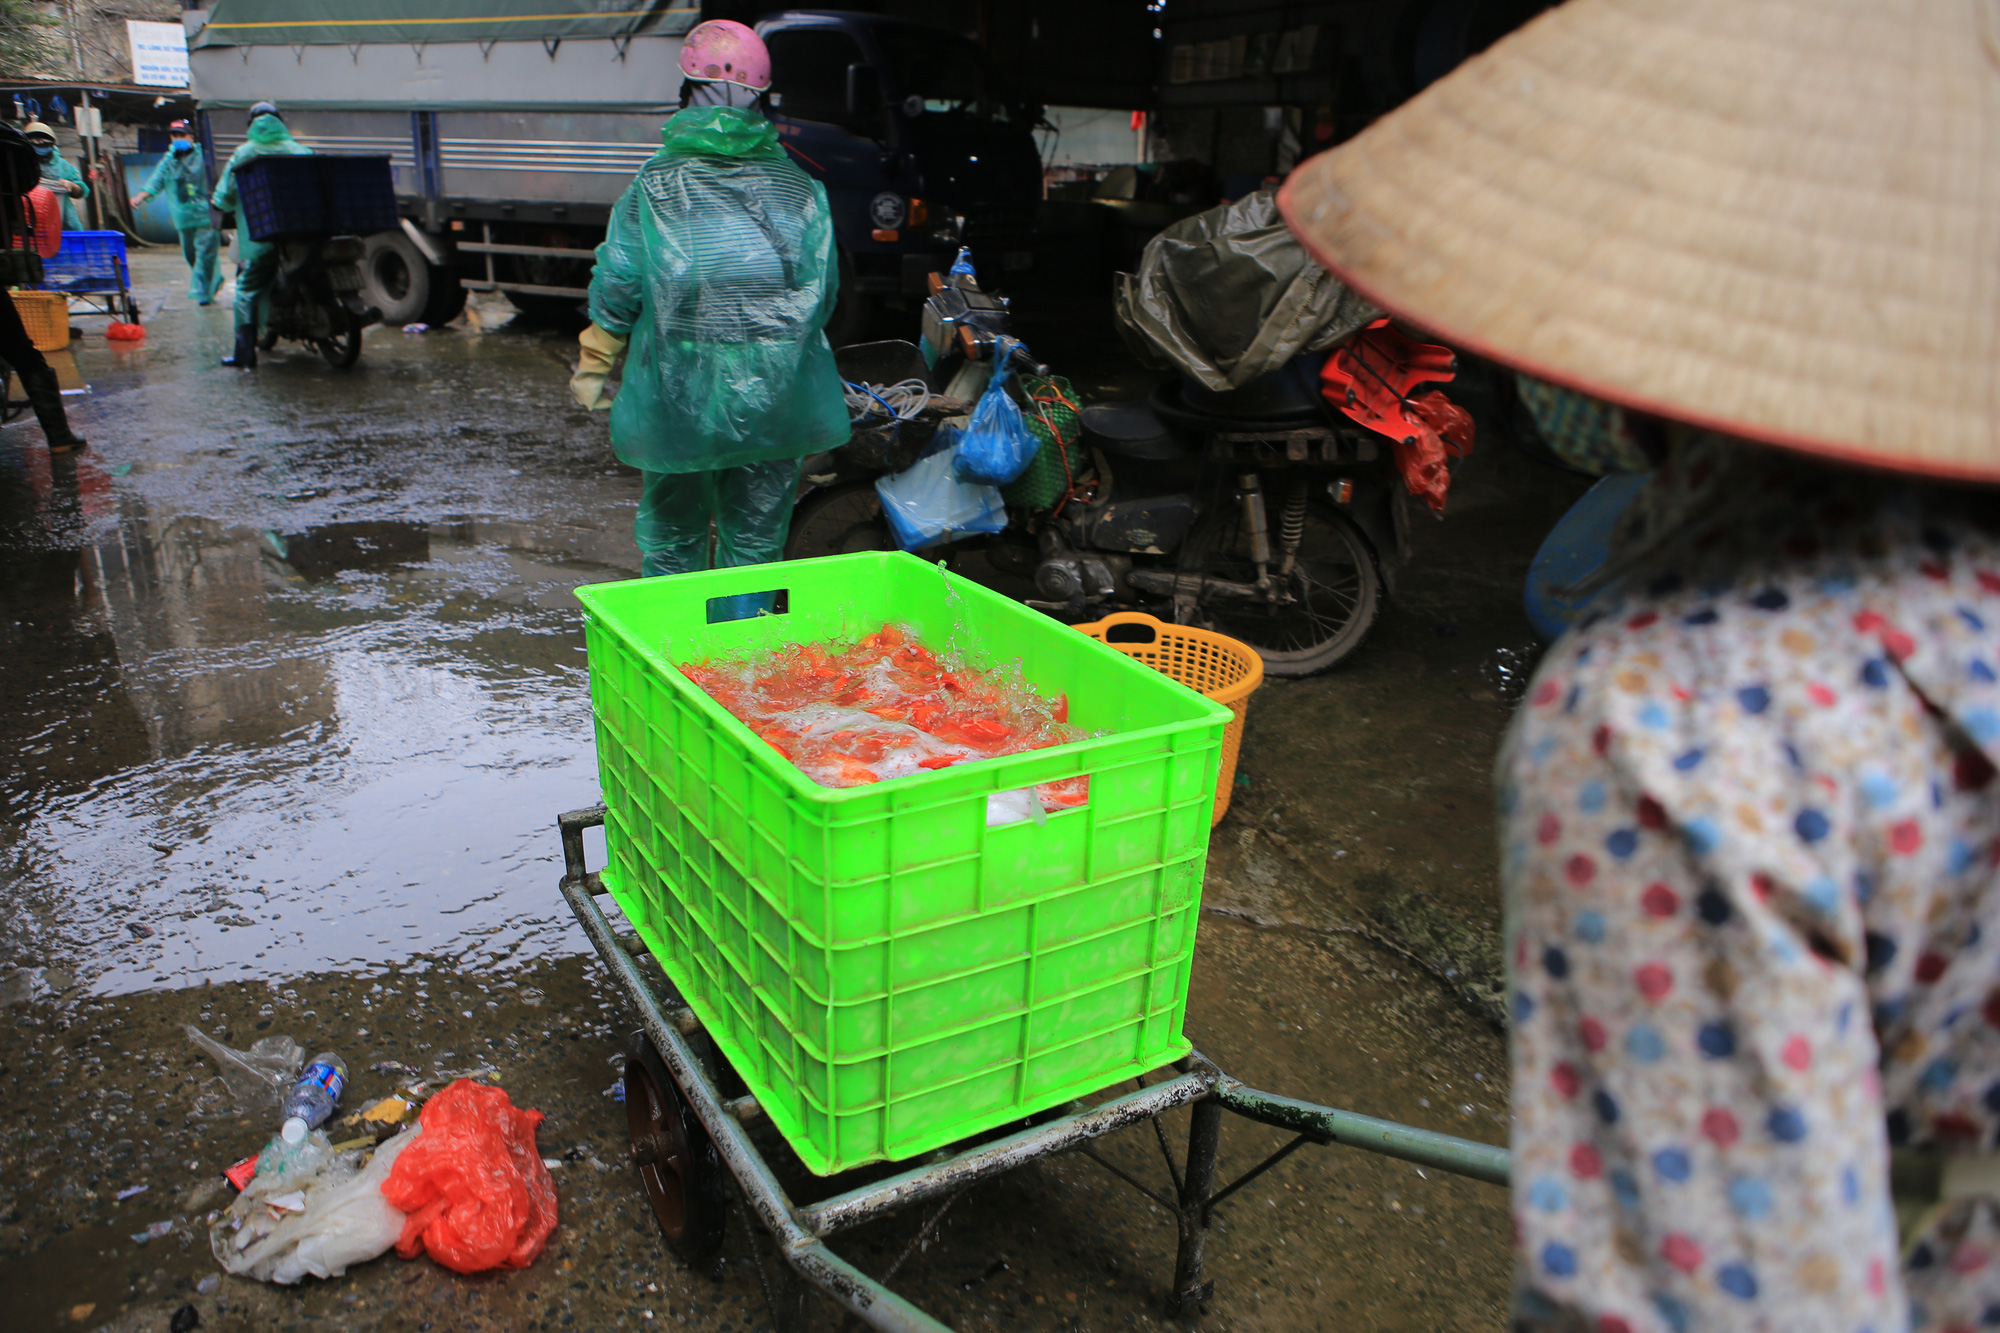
(159, 54)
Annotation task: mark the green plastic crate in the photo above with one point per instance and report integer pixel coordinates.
(886, 972)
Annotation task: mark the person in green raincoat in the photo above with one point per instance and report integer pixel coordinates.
(58, 172)
(182, 177)
(718, 269)
(256, 261)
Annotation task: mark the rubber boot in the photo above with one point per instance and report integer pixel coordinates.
(246, 348)
(44, 392)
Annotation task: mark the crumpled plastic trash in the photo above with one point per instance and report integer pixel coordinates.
(315, 1221)
(251, 1080)
(474, 1186)
(117, 331)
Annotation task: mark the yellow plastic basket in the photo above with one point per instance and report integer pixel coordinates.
(46, 317)
(1218, 666)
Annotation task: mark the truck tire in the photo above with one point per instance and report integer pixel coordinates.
(407, 288)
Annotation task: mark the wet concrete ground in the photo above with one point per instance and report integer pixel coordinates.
(293, 689)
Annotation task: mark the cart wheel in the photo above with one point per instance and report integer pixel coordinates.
(677, 1162)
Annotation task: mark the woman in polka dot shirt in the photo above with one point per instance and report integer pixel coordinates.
(1748, 816)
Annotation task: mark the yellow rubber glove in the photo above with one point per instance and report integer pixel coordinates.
(600, 352)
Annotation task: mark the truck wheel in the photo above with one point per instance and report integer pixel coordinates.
(397, 280)
(395, 277)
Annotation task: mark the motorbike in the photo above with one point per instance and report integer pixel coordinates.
(315, 298)
(1260, 513)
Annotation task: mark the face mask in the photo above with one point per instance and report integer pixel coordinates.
(183, 145)
(45, 153)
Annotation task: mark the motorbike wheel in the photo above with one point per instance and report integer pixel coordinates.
(838, 521)
(1337, 582)
(343, 349)
(267, 338)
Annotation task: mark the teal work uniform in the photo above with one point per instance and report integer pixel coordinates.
(182, 179)
(256, 261)
(57, 169)
(718, 264)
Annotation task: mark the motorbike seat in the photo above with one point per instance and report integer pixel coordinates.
(1132, 430)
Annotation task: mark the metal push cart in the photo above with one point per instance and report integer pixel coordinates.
(687, 1132)
(91, 270)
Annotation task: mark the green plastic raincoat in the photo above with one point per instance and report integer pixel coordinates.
(182, 180)
(256, 261)
(719, 265)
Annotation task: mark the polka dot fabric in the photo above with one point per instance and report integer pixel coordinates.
(1749, 835)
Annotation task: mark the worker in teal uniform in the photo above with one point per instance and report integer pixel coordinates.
(718, 268)
(58, 172)
(256, 261)
(182, 177)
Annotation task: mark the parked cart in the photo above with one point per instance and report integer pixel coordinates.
(91, 271)
(900, 972)
(690, 1140)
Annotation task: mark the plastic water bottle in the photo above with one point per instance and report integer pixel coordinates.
(963, 264)
(314, 1096)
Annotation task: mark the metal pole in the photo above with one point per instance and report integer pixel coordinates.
(1204, 1138)
(873, 1303)
(1464, 1157)
(90, 159)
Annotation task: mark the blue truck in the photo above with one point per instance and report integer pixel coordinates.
(512, 132)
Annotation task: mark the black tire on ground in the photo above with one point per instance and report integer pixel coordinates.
(407, 288)
(267, 338)
(679, 1167)
(343, 349)
(395, 278)
(1338, 581)
(839, 521)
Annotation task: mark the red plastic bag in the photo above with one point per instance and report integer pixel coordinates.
(129, 333)
(1373, 378)
(473, 1184)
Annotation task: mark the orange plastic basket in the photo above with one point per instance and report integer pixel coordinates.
(1213, 664)
(46, 317)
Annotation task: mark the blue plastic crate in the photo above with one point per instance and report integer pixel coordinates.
(360, 194)
(322, 195)
(89, 261)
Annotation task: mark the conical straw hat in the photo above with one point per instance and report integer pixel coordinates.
(1776, 218)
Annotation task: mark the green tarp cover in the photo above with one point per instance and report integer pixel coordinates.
(374, 22)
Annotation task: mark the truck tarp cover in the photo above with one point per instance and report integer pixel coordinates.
(376, 22)
(1229, 295)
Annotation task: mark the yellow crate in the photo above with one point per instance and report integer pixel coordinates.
(46, 317)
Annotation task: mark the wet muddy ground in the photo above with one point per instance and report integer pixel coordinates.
(293, 687)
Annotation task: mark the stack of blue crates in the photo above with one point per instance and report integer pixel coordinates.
(89, 261)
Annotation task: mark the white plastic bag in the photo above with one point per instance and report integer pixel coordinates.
(292, 1224)
(927, 503)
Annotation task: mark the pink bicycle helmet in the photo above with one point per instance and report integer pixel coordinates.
(723, 51)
